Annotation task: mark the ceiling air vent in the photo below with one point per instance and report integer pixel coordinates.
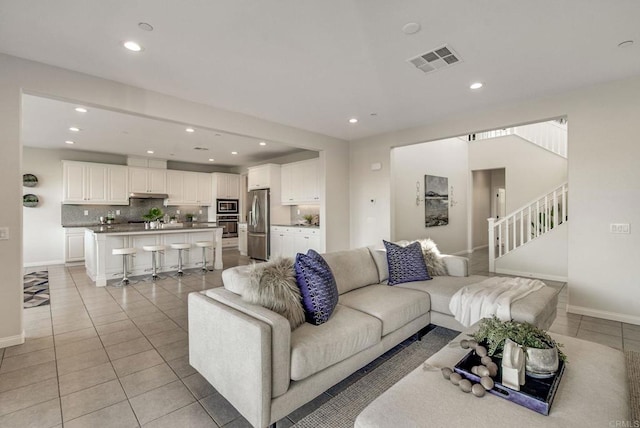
(200, 148)
(436, 59)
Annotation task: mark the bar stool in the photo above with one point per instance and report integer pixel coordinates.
(204, 245)
(124, 252)
(180, 246)
(154, 249)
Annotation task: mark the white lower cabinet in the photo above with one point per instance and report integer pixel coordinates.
(74, 244)
(287, 241)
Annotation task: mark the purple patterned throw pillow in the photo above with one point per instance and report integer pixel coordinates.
(317, 286)
(406, 264)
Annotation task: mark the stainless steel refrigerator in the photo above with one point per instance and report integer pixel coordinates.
(258, 245)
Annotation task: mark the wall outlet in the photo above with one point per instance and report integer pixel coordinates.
(117, 212)
(4, 233)
(177, 211)
(200, 212)
(620, 228)
(86, 212)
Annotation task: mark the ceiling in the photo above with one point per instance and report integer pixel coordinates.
(46, 123)
(315, 64)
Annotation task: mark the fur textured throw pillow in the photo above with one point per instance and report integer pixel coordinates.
(273, 286)
(432, 257)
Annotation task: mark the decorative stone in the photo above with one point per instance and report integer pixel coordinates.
(473, 344)
(483, 371)
(465, 385)
(487, 382)
(481, 351)
(478, 390)
(493, 369)
(455, 378)
(464, 344)
(446, 372)
(486, 360)
(474, 370)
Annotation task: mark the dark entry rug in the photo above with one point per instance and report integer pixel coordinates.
(36, 289)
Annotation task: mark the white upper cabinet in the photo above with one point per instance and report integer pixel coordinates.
(94, 183)
(147, 180)
(301, 182)
(188, 188)
(264, 176)
(226, 186)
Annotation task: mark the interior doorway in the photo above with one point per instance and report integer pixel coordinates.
(489, 196)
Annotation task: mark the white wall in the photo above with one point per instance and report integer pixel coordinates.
(545, 257)
(530, 171)
(20, 75)
(604, 152)
(445, 158)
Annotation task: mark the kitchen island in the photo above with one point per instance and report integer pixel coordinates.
(102, 266)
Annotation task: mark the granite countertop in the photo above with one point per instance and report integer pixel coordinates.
(306, 226)
(139, 228)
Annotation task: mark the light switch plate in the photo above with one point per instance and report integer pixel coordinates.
(4, 233)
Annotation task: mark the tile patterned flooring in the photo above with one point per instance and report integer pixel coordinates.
(118, 357)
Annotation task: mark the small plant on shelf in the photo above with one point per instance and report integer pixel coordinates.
(494, 332)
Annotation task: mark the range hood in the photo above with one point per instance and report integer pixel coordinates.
(139, 195)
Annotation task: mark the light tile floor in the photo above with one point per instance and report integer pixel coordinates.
(118, 357)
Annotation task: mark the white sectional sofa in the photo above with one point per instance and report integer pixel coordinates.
(251, 356)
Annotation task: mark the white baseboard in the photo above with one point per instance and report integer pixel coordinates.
(532, 275)
(44, 263)
(12, 340)
(614, 316)
(461, 253)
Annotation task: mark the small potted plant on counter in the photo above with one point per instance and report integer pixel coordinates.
(542, 351)
(152, 218)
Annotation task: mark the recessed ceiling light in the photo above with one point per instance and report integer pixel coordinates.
(132, 46)
(353, 120)
(211, 159)
(150, 152)
(145, 26)
(234, 153)
(81, 109)
(411, 28)
(476, 85)
(190, 130)
(74, 129)
(262, 143)
(625, 44)
(69, 142)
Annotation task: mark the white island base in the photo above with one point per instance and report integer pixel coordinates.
(103, 266)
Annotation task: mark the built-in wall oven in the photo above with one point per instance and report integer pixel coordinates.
(227, 206)
(229, 225)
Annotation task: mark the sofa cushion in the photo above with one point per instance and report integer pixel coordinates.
(393, 306)
(406, 264)
(273, 285)
(379, 256)
(317, 287)
(236, 279)
(352, 269)
(314, 348)
(441, 289)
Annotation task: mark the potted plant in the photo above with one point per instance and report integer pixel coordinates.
(543, 353)
(152, 217)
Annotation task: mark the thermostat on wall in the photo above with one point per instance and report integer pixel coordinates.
(376, 166)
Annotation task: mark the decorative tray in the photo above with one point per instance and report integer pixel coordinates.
(536, 394)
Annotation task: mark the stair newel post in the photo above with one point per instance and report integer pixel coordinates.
(492, 244)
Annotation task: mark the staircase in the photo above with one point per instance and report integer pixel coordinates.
(524, 225)
(551, 135)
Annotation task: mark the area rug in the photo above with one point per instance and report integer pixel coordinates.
(342, 410)
(36, 289)
(633, 375)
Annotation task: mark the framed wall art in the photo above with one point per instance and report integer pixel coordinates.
(436, 201)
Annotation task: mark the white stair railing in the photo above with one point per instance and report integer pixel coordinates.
(551, 135)
(527, 223)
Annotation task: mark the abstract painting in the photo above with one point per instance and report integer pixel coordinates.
(436, 201)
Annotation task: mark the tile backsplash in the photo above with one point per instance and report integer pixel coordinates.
(73, 215)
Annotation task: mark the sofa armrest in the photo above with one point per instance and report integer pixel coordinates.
(456, 266)
(232, 351)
